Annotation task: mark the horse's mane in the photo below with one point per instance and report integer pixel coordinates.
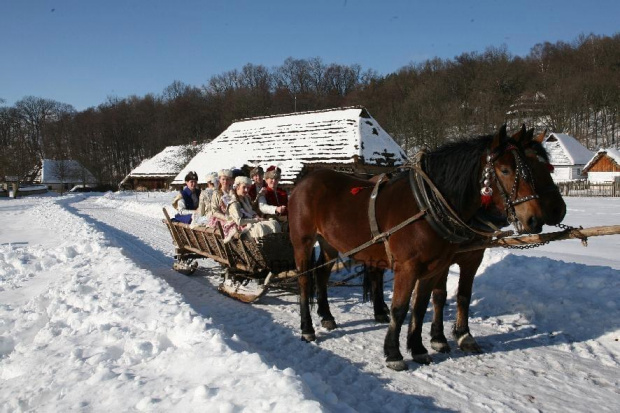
(455, 168)
(540, 150)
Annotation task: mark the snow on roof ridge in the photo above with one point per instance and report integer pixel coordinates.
(300, 113)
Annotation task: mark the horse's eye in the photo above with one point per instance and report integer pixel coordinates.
(505, 171)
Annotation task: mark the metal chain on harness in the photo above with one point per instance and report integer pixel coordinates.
(566, 228)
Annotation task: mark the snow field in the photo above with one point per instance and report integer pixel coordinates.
(105, 334)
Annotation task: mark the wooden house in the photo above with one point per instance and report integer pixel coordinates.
(604, 166)
(567, 156)
(158, 172)
(346, 139)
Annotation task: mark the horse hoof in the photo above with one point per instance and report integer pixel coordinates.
(468, 344)
(308, 337)
(440, 346)
(422, 358)
(329, 324)
(398, 365)
(382, 318)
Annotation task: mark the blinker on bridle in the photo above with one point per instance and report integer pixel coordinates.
(510, 200)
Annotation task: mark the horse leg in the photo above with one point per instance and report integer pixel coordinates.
(439, 342)
(404, 281)
(303, 252)
(322, 278)
(421, 297)
(469, 265)
(381, 310)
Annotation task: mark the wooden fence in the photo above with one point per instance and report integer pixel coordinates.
(585, 188)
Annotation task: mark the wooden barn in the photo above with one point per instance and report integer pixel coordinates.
(158, 172)
(567, 156)
(346, 139)
(604, 166)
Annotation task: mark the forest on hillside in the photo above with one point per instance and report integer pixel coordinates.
(562, 87)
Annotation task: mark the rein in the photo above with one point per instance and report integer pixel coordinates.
(457, 230)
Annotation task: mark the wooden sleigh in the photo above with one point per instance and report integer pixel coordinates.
(252, 265)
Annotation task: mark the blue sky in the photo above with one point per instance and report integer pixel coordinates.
(82, 51)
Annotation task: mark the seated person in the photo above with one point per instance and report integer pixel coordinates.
(186, 202)
(225, 181)
(240, 211)
(257, 184)
(235, 214)
(203, 213)
(273, 201)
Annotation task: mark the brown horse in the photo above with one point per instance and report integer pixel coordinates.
(554, 209)
(323, 207)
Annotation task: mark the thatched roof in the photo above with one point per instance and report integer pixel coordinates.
(343, 136)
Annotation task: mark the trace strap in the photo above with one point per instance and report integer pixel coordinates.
(372, 218)
(378, 238)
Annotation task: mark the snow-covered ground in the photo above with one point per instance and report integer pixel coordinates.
(92, 318)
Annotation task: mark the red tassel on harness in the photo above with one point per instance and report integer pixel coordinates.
(486, 200)
(550, 167)
(486, 196)
(356, 189)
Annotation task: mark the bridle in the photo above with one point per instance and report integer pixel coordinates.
(522, 172)
(549, 188)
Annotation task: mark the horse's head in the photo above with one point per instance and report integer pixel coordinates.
(553, 206)
(508, 183)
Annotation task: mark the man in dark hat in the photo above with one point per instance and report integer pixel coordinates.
(186, 202)
(257, 184)
(273, 200)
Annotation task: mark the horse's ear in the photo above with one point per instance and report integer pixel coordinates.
(540, 138)
(499, 138)
(529, 135)
(521, 135)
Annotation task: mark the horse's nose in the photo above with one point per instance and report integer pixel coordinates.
(535, 224)
(556, 216)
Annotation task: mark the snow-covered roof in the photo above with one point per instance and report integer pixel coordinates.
(563, 149)
(336, 136)
(613, 153)
(166, 163)
(69, 170)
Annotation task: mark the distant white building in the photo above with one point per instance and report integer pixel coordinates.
(347, 139)
(567, 156)
(62, 175)
(604, 166)
(160, 170)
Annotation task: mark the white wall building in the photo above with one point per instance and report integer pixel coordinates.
(567, 156)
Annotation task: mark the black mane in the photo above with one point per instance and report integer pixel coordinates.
(455, 169)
